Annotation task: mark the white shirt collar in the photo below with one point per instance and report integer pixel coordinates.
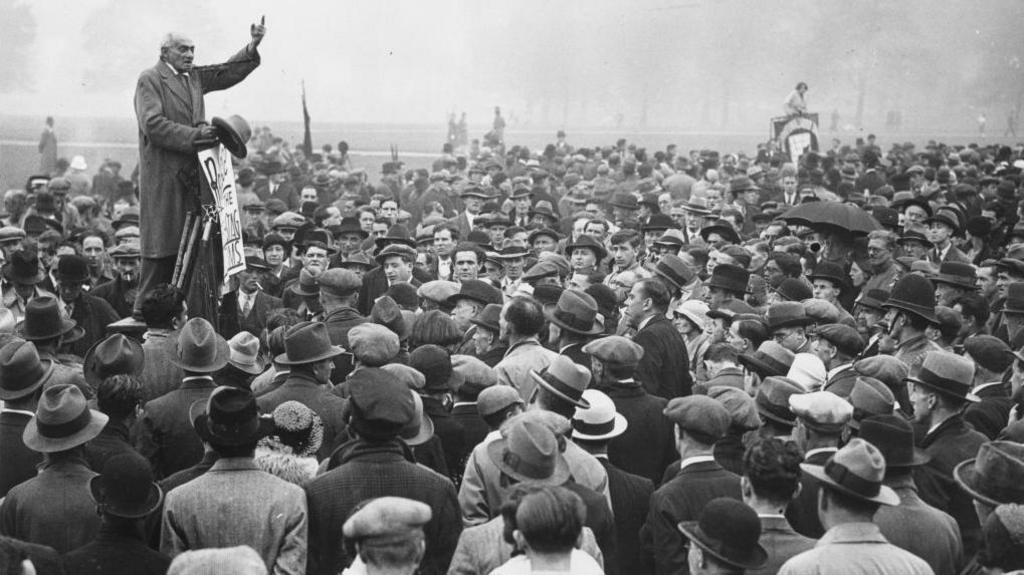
(820, 450)
(21, 411)
(176, 72)
(836, 370)
(986, 386)
(695, 459)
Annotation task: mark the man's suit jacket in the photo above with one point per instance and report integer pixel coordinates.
(118, 295)
(920, 528)
(474, 430)
(113, 440)
(682, 499)
(781, 542)
(664, 368)
(165, 435)
(451, 434)
(54, 508)
(375, 284)
(116, 551)
(952, 255)
(168, 111)
(19, 462)
(372, 470)
(159, 374)
(93, 315)
(648, 444)
(631, 497)
(338, 323)
(232, 322)
(461, 223)
(802, 512)
(303, 389)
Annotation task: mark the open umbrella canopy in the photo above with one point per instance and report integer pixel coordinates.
(817, 215)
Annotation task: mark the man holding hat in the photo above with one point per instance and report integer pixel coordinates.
(388, 535)
(166, 436)
(699, 422)
(939, 393)
(647, 446)
(247, 307)
(376, 466)
(53, 508)
(121, 291)
(913, 524)
(22, 376)
(125, 496)
(236, 503)
(310, 356)
(852, 491)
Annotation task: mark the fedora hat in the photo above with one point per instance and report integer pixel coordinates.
(956, 274)
(600, 422)
(488, 317)
(529, 451)
(256, 263)
(772, 399)
(72, 269)
(565, 379)
(543, 208)
(1014, 299)
(588, 242)
(307, 285)
(21, 371)
(872, 299)
(307, 342)
(730, 278)
(358, 260)
(125, 487)
(947, 373)
(914, 235)
(397, 234)
(869, 397)
(624, 201)
(62, 421)
(44, 320)
(477, 290)
(770, 359)
(349, 225)
(576, 312)
(728, 530)
(786, 314)
(722, 228)
(114, 355)
(234, 132)
(913, 294)
(742, 184)
(229, 417)
(474, 192)
(996, 475)
(244, 353)
(674, 270)
(23, 268)
(513, 252)
(659, 223)
(199, 348)
(857, 469)
(894, 437)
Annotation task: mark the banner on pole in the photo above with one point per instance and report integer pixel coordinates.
(220, 174)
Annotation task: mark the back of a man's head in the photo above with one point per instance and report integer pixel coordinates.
(525, 316)
(772, 466)
(161, 306)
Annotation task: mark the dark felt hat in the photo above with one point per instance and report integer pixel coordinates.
(858, 469)
(397, 234)
(114, 355)
(873, 299)
(23, 268)
(913, 235)
(770, 359)
(307, 342)
(576, 312)
(729, 277)
(21, 371)
(44, 320)
(488, 317)
(793, 289)
(728, 530)
(624, 201)
(894, 437)
(234, 132)
(477, 290)
(957, 274)
(787, 314)
(125, 487)
(229, 417)
(772, 399)
(382, 405)
(659, 223)
(996, 476)
(830, 272)
(73, 269)
(722, 228)
(589, 242)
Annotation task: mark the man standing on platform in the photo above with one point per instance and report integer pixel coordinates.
(172, 128)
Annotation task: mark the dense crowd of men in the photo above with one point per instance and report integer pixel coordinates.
(577, 360)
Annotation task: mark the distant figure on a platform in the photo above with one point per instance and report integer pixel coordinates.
(796, 102)
(982, 120)
(48, 149)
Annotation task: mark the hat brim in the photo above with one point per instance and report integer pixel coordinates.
(594, 329)
(220, 359)
(333, 351)
(151, 504)
(297, 290)
(599, 251)
(758, 555)
(493, 327)
(714, 283)
(886, 496)
(66, 326)
(264, 427)
(620, 427)
(917, 459)
(547, 386)
(967, 396)
(252, 369)
(33, 280)
(36, 442)
(967, 477)
(759, 366)
(423, 433)
(10, 394)
(230, 137)
(92, 375)
(926, 313)
(380, 242)
(955, 282)
(496, 450)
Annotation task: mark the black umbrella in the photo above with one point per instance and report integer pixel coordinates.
(816, 215)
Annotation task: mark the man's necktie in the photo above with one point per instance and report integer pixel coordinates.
(246, 307)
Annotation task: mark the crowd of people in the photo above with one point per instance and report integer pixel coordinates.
(574, 360)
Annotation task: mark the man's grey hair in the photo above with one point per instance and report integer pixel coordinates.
(170, 40)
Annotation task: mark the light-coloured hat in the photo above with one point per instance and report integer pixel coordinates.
(694, 310)
(857, 469)
(245, 353)
(388, 518)
(599, 422)
(821, 410)
(241, 560)
(78, 163)
(808, 370)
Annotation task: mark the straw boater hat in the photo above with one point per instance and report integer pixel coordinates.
(599, 422)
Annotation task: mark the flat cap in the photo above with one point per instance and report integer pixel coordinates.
(127, 251)
(288, 220)
(990, 352)
(700, 415)
(615, 349)
(885, 368)
(240, 560)
(438, 291)
(11, 233)
(845, 338)
(373, 344)
(387, 520)
(821, 411)
(496, 398)
(127, 232)
(821, 311)
(870, 397)
(412, 378)
(475, 374)
(539, 270)
(339, 282)
(739, 404)
(381, 404)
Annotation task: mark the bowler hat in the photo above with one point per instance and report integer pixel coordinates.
(872, 299)
(23, 268)
(564, 379)
(770, 359)
(793, 289)
(659, 223)
(114, 355)
(996, 475)
(599, 422)
(575, 312)
(229, 417)
(773, 399)
(786, 314)
(858, 469)
(307, 342)
(477, 290)
(588, 242)
(44, 320)
(914, 294)
(245, 354)
(396, 234)
(234, 132)
(125, 487)
(894, 437)
(723, 228)
(728, 530)
(624, 201)
(956, 274)
(528, 451)
(349, 225)
(830, 272)
(947, 373)
(21, 371)
(729, 277)
(488, 317)
(62, 421)
(674, 270)
(199, 348)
